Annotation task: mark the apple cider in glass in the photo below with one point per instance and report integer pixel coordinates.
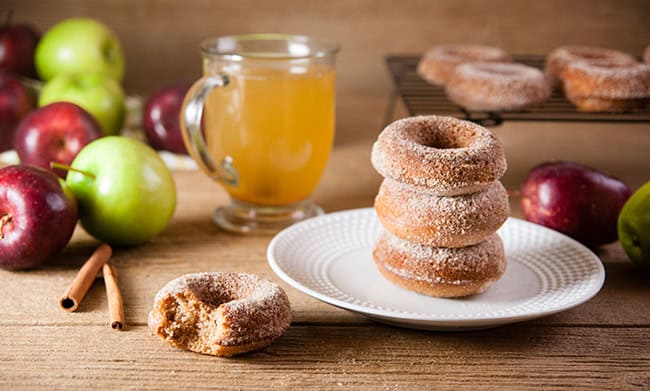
(261, 123)
(278, 128)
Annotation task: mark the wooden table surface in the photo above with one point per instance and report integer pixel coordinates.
(602, 344)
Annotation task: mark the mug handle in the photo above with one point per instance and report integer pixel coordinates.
(190, 118)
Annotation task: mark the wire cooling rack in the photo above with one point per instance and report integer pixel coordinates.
(421, 98)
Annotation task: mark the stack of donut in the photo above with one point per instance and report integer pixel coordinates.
(441, 204)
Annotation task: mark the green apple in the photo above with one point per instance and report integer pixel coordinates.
(99, 95)
(79, 45)
(634, 226)
(125, 192)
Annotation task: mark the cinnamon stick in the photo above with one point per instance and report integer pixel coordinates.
(72, 297)
(115, 305)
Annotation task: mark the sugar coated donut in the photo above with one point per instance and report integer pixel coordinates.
(221, 314)
(600, 87)
(431, 220)
(437, 63)
(558, 60)
(488, 86)
(437, 271)
(446, 155)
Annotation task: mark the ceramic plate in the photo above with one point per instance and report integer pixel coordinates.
(330, 258)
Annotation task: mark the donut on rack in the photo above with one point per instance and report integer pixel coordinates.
(559, 59)
(427, 219)
(437, 63)
(607, 87)
(445, 155)
(487, 86)
(221, 314)
(438, 271)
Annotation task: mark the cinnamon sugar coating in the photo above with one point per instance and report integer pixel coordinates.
(597, 87)
(427, 219)
(497, 86)
(440, 272)
(220, 314)
(438, 62)
(559, 59)
(446, 155)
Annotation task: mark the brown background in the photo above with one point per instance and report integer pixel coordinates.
(161, 39)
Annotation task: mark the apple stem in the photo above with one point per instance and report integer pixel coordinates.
(65, 167)
(6, 218)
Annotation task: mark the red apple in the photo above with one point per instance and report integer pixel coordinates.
(577, 200)
(55, 133)
(17, 45)
(15, 102)
(161, 118)
(37, 216)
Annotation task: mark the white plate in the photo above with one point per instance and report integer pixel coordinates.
(330, 258)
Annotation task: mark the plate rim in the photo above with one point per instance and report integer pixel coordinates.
(379, 314)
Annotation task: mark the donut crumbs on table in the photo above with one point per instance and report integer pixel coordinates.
(221, 314)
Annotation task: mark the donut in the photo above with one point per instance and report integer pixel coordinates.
(221, 314)
(423, 218)
(607, 87)
(439, 271)
(485, 86)
(559, 58)
(437, 63)
(446, 155)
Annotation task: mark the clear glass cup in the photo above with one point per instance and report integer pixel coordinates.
(261, 123)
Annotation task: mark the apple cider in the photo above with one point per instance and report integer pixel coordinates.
(277, 126)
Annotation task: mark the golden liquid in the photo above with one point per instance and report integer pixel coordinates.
(278, 128)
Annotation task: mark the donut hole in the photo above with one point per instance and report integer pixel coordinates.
(586, 55)
(472, 53)
(443, 136)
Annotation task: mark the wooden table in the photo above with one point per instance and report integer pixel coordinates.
(602, 344)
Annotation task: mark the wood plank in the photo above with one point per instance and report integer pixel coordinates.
(192, 243)
(314, 357)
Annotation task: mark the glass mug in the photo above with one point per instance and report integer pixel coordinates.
(261, 123)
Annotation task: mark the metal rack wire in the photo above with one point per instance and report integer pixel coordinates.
(421, 97)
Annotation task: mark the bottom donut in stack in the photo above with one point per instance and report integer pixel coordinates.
(440, 271)
(441, 205)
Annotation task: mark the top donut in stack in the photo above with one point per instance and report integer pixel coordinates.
(441, 204)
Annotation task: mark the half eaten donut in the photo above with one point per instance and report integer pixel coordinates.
(221, 314)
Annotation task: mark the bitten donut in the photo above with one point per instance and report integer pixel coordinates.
(488, 86)
(600, 87)
(423, 218)
(221, 314)
(438, 271)
(437, 63)
(559, 59)
(446, 155)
